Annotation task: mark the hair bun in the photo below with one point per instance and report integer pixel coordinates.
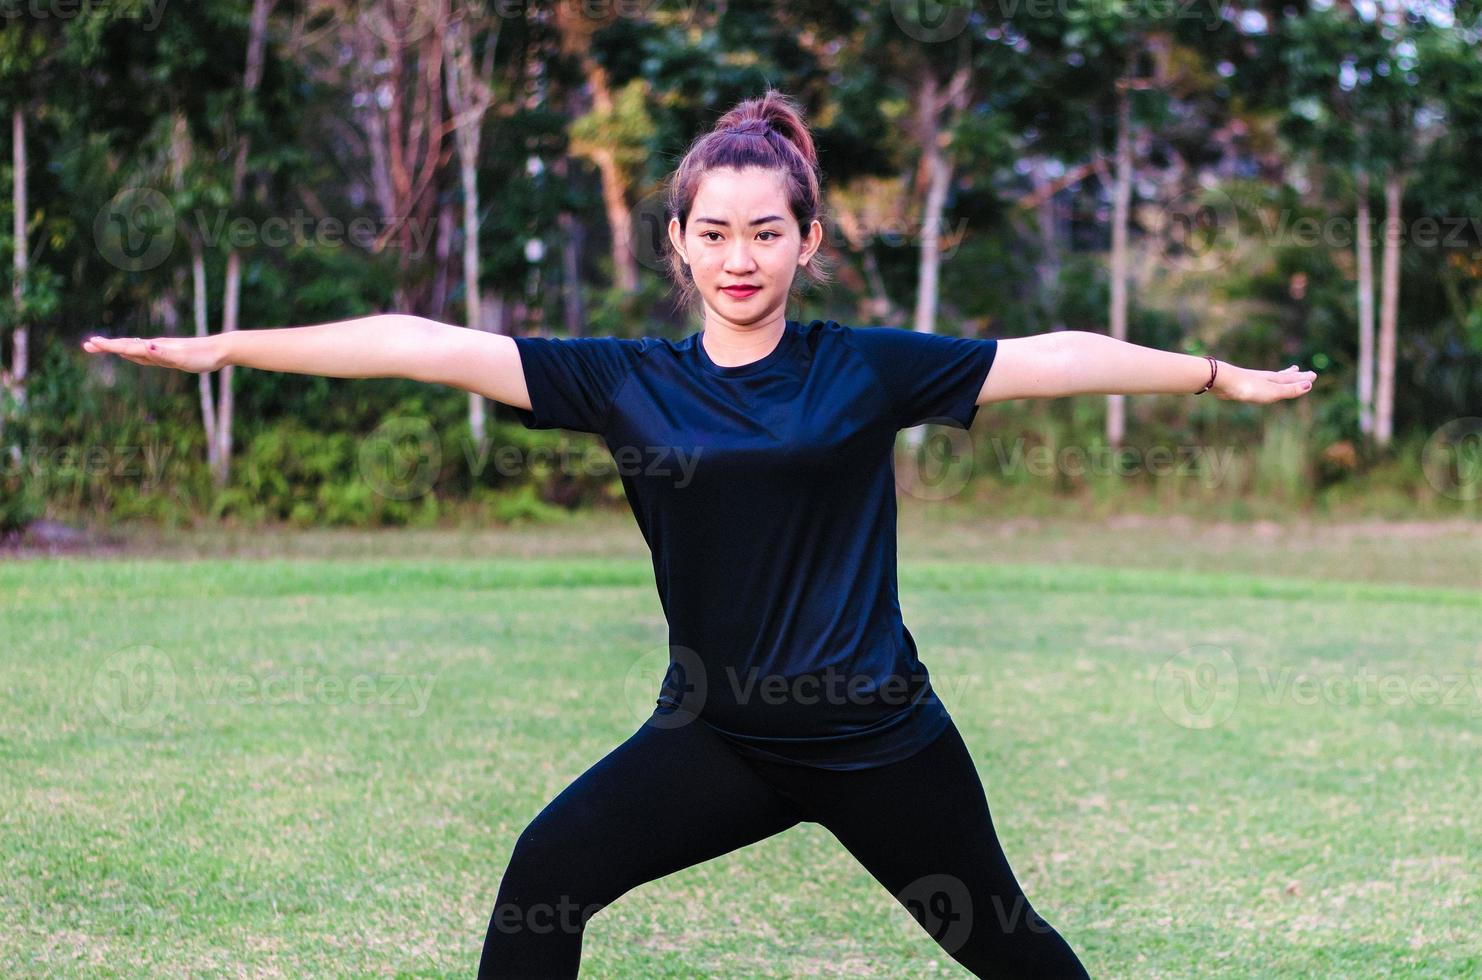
(755, 125)
(775, 112)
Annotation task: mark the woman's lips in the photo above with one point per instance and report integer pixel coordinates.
(740, 292)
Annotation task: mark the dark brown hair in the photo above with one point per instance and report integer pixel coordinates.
(766, 132)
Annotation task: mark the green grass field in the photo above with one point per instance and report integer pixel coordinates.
(1206, 755)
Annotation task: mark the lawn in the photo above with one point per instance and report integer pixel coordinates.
(1245, 766)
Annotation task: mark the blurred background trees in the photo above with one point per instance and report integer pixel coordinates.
(1270, 183)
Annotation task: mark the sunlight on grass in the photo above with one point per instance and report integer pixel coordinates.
(308, 767)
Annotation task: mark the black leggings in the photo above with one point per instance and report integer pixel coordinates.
(672, 796)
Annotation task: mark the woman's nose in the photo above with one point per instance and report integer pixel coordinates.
(738, 260)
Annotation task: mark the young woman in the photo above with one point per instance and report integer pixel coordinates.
(794, 691)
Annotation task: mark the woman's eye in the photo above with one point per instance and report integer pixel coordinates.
(706, 235)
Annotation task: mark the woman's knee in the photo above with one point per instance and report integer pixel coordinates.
(550, 884)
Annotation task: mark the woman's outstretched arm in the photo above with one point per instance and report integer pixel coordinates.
(384, 345)
(1078, 362)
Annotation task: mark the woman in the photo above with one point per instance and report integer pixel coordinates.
(794, 691)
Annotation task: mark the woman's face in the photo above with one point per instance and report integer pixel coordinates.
(740, 232)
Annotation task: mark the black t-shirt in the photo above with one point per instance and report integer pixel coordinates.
(766, 493)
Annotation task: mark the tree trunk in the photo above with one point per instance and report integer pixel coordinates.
(13, 381)
(878, 302)
(1365, 309)
(208, 400)
(473, 297)
(442, 274)
(469, 96)
(1047, 269)
(575, 31)
(1116, 411)
(1389, 310)
(938, 175)
(231, 301)
(572, 233)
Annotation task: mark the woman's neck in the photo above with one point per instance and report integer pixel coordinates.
(732, 346)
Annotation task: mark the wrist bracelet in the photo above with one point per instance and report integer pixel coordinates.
(1214, 367)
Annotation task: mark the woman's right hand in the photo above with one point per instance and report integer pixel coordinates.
(194, 354)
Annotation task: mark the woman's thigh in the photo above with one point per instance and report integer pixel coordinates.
(922, 828)
(670, 796)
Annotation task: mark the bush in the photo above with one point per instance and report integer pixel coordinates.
(20, 502)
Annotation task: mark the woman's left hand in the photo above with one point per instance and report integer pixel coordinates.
(1238, 384)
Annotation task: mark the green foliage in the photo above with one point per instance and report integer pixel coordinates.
(291, 473)
(20, 501)
(1284, 117)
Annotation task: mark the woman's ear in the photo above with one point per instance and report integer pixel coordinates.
(812, 242)
(676, 238)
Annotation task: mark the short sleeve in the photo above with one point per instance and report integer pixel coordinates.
(573, 380)
(928, 377)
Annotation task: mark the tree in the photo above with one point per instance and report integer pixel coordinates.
(470, 94)
(28, 55)
(1364, 89)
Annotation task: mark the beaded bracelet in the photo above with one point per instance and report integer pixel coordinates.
(1214, 367)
